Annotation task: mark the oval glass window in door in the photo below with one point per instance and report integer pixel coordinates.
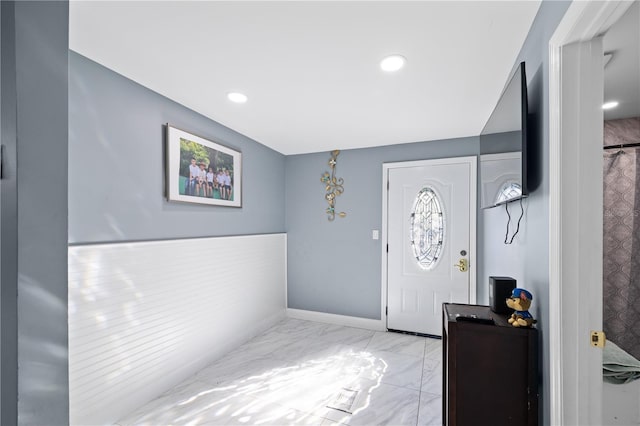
(427, 228)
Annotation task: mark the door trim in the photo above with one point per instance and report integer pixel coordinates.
(473, 207)
(582, 22)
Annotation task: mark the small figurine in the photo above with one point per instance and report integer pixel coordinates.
(520, 301)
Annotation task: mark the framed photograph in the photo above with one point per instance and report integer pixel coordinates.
(201, 171)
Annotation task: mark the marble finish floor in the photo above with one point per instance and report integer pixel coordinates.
(290, 374)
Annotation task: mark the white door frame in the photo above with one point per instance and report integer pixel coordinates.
(575, 214)
(473, 207)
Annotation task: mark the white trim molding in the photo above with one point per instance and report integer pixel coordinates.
(575, 245)
(344, 320)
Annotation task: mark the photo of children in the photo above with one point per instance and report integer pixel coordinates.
(201, 171)
(205, 172)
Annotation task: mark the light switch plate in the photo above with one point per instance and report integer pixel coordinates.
(375, 234)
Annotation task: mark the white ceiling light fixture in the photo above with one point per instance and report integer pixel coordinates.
(393, 63)
(237, 97)
(609, 105)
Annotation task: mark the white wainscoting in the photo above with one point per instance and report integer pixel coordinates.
(144, 316)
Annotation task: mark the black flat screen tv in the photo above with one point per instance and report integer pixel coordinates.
(503, 146)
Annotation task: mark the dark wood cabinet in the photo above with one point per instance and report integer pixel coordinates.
(490, 370)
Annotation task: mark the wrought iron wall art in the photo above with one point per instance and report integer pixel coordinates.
(334, 186)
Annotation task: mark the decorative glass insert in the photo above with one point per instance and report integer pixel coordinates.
(427, 228)
(508, 191)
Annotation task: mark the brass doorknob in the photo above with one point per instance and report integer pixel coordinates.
(462, 265)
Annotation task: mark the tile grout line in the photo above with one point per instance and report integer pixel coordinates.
(424, 355)
(370, 339)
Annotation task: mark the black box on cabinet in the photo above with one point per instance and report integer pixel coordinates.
(500, 289)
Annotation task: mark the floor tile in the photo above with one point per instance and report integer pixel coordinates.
(328, 422)
(346, 335)
(307, 389)
(269, 344)
(290, 373)
(432, 382)
(260, 412)
(382, 404)
(397, 342)
(242, 370)
(433, 355)
(188, 403)
(396, 369)
(431, 364)
(430, 409)
(300, 328)
(433, 348)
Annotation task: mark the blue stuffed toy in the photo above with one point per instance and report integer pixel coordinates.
(520, 302)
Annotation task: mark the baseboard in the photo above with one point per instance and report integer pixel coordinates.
(347, 321)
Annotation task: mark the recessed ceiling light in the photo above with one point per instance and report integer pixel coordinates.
(236, 97)
(609, 105)
(392, 63)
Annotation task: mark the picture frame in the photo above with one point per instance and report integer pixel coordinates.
(201, 171)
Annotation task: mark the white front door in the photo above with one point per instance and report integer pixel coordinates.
(431, 224)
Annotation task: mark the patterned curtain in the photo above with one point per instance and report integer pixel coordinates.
(621, 266)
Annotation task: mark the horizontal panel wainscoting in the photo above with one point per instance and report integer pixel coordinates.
(144, 316)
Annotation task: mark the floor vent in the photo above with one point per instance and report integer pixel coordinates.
(344, 400)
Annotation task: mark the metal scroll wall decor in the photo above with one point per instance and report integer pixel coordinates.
(334, 186)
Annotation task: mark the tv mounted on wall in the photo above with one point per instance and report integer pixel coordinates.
(503, 146)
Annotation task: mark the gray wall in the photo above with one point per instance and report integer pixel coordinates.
(34, 213)
(527, 259)
(116, 166)
(8, 224)
(334, 267)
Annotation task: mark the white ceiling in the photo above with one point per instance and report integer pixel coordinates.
(311, 69)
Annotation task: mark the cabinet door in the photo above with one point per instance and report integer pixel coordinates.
(492, 374)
